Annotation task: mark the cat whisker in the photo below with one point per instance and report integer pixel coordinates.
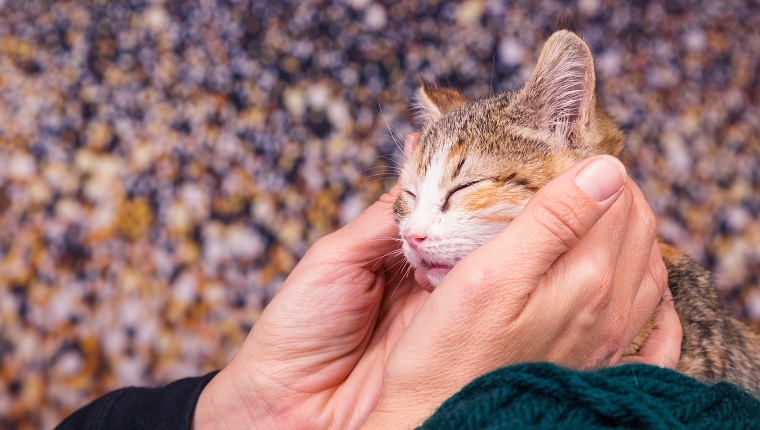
(397, 239)
(382, 172)
(386, 175)
(377, 180)
(386, 170)
(381, 167)
(374, 260)
(392, 253)
(397, 138)
(407, 273)
(395, 160)
(392, 267)
(407, 270)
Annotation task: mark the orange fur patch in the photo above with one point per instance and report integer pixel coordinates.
(481, 199)
(670, 253)
(444, 99)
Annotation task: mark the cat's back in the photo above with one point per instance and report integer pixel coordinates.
(716, 346)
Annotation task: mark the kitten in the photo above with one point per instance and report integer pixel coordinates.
(519, 141)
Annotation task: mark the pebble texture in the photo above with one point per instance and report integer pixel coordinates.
(165, 163)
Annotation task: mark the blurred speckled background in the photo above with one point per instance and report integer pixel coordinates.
(163, 164)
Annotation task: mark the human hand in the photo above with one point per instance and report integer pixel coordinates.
(572, 281)
(316, 356)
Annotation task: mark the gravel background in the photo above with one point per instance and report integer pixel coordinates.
(165, 163)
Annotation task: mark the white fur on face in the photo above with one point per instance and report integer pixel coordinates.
(451, 235)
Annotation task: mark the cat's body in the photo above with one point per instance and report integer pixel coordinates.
(479, 162)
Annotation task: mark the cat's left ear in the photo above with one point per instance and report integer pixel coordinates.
(559, 98)
(433, 102)
(411, 142)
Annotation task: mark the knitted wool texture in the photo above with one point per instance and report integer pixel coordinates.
(544, 396)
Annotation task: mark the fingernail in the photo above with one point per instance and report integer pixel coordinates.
(602, 178)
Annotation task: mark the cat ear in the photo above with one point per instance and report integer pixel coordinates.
(559, 97)
(411, 142)
(432, 102)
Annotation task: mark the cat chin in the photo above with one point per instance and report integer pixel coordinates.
(436, 274)
(434, 271)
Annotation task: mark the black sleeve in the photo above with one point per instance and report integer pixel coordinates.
(169, 407)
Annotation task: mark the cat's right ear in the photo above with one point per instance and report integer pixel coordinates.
(432, 102)
(559, 98)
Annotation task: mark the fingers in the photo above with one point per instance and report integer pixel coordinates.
(627, 278)
(553, 221)
(581, 287)
(638, 242)
(653, 285)
(639, 274)
(606, 286)
(594, 260)
(663, 347)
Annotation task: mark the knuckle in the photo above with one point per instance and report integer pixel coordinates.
(319, 245)
(562, 219)
(597, 279)
(606, 284)
(613, 340)
(484, 277)
(323, 248)
(602, 291)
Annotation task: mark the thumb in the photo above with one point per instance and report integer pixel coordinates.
(663, 346)
(368, 238)
(554, 220)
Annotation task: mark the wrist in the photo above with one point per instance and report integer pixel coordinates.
(412, 415)
(224, 404)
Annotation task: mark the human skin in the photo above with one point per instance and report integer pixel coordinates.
(351, 340)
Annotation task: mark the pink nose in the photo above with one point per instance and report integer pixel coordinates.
(414, 240)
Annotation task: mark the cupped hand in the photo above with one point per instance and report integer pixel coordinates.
(349, 337)
(315, 357)
(572, 281)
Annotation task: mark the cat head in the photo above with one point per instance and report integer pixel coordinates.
(477, 163)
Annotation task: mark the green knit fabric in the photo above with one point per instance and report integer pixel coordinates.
(545, 396)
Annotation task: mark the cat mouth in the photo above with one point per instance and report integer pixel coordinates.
(438, 271)
(435, 267)
(434, 272)
(429, 264)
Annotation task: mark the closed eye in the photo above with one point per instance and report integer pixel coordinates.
(411, 194)
(459, 187)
